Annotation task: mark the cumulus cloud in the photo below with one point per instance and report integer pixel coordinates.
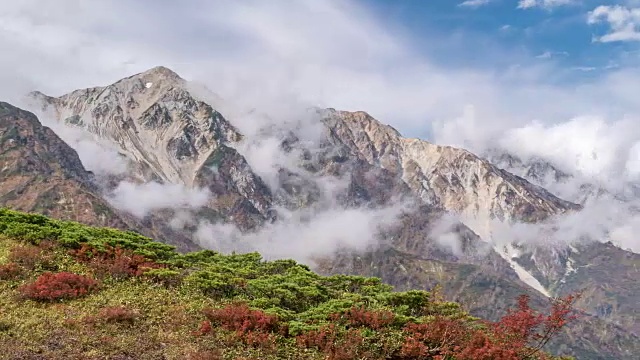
(624, 22)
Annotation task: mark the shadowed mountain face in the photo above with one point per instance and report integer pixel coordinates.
(172, 136)
(41, 173)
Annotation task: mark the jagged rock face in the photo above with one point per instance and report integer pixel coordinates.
(455, 179)
(170, 136)
(154, 120)
(22, 133)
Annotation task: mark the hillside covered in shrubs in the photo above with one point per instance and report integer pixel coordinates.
(69, 291)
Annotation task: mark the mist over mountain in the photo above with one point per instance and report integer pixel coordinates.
(353, 149)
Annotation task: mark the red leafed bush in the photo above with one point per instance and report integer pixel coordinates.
(205, 328)
(482, 347)
(520, 334)
(321, 339)
(438, 337)
(116, 262)
(528, 331)
(240, 318)
(373, 319)
(54, 286)
(9, 271)
(335, 345)
(252, 327)
(118, 314)
(259, 339)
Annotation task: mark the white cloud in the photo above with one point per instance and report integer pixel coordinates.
(141, 199)
(624, 22)
(546, 4)
(304, 236)
(474, 3)
(545, 55)
(585, 146)
(549, 54)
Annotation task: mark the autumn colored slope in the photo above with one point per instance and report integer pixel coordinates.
(70, 291)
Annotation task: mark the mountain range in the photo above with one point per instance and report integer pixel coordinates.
(337, 189)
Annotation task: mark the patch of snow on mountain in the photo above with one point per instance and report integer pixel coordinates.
(508, 253)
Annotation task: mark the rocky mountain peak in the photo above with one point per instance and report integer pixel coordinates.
(154, 120)
(453, 178)
(161, 72)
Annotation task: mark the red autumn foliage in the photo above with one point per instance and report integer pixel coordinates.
(54, 286)
(9, 271)
(205, 327)
(373, 319)
(336, 346)
(320, 339)
(253, 327)
(117, 262)
(480, 346)
(258, 339)
(438, 337)
(518, 335)
(240, 318)
(530, 331)
(118, 314)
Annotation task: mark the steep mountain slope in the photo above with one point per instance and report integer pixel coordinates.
(170, 136)
(444, 174)
(40, 173)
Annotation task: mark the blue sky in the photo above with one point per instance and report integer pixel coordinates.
(559, 33)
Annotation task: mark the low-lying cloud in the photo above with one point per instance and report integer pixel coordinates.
(142, 199)
(304, 236)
